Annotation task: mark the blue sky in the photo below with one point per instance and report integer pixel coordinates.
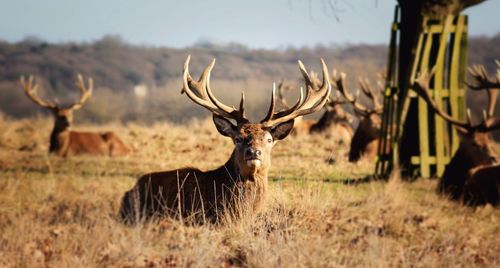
(256, 23)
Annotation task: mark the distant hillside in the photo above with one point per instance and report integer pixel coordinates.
(117, 68)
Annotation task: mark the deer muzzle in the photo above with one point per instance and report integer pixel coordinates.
(253, 157)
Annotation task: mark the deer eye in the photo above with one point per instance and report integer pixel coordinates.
(238, 140)
(269, 140)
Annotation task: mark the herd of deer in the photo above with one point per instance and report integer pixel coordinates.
(240, 185)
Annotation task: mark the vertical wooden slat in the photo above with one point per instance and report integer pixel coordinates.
(461, 74)
(423, 122)
(439, 133)
(454, 80)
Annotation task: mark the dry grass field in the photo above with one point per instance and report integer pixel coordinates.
(57, 212)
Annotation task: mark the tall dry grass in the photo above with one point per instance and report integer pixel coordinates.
(58, 212)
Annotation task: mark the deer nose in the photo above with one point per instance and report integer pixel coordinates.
(252, 153)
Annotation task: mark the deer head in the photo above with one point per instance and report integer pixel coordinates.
(366, 136)
(63, 115)
(475, 146)
(254, 141)
(361, 110)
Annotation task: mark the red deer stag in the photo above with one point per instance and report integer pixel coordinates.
(366, 137)
(335, 122)
(473, 174)
(64, 141)
(240, 185)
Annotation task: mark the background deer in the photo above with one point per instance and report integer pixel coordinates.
(335, 123)
(64, 141)
(473, 175)
(367, 135)
(240, 185)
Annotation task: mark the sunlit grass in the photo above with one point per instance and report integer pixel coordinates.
(63, 212)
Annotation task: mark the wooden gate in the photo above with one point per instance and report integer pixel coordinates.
(441, 44)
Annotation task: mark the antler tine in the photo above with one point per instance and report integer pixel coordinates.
(371, 94)
(340, 83)
(200, 93)
(492, 123)
(481, 76)
(85, 91)
(492, 100)
(365, 86)
(30, 89)
(421, 86)
(281, 94)
(270, 112)
(498, 71)
(335, 99)
(314, 100)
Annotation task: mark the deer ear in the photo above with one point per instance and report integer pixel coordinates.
(282, 130)
(224, 126)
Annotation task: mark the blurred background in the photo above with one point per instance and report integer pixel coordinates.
(135, 50)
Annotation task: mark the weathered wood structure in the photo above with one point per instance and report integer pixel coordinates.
(422, 143)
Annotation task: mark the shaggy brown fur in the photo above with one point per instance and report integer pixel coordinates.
(236, 187)
(482, 185)
(240, 185)
(366, 138)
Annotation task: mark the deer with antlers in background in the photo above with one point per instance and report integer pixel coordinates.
(335, 122)
(473, 174)
(239, 186)
(367, 135)
(64, 141)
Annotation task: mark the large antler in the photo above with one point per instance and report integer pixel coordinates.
(489, 123)
(482, 78)
(200, 92)
(492, 87)
(340, 84)
(371, 94)
(30, 88)
(421, 86)
(85, 91)
(316, 97)
(483, 81)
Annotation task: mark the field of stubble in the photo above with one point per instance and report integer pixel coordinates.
(58, 212)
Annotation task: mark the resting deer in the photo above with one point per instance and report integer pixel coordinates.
(64, 141)
(473, 174)
(241, 184)
(335, 122)
(366, 137)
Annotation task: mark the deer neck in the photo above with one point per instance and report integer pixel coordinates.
(59, 138)
(245, 174)
(324, 122)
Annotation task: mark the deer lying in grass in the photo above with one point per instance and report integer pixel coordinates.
(64, 141)
(473, 174)
(366, 137)
(240, 185)
(335, 122)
